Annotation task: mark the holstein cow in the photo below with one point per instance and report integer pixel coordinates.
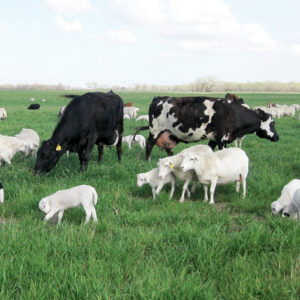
(93, 118)
(190, 119)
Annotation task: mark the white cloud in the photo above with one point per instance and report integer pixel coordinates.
(70, 7)
(122, 36)
(140, 11)
(2, 27)
(197, 25)
(64, 26)
(295, 50)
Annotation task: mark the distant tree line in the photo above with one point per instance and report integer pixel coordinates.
(202, 84)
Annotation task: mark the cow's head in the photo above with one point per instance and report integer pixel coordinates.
(47, 156)
(267, 128)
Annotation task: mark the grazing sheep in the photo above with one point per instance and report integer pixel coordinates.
(58, 202)
(143, 117)
(221, 167)
(31, 138)
(156, 183)
(61, 111)
(3, 113)
(32, 99)
(286, 196)
(43, 100)
(131, 139)
(172, 164)
(293, 209)
(1, 193)
(131, 111)
(10, 145)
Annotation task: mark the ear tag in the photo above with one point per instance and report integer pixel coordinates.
(171, 166)
(58, 147)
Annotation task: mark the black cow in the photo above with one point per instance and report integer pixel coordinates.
(34, 106)
(190, 119)
(93, 118)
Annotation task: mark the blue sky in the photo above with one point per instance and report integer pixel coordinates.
(124, 42)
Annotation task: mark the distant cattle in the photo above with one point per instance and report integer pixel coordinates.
(190, 119)
(93, 118)
(34, 106)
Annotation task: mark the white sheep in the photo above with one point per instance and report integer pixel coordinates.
(43, 100)
(293, 209)
(3, 113)
(156, 183)
(131, 111)
(126, 117)
(172, 164)
(1, 193)
(221, 167)
(143, 117)
(10, 145)
(286, 196)
(32, 99)
(31, 138)
(58, 202)
(138, 139)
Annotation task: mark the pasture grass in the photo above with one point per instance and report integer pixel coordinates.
(143, 248)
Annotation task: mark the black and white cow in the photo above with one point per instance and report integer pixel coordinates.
(93, 118)
(190, 119)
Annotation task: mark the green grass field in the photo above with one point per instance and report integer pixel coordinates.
(142, 248)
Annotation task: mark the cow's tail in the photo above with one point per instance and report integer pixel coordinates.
(95, 196)
(138, 130)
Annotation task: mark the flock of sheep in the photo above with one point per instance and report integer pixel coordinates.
(193, 164)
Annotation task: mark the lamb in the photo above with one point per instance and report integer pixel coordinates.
(155, 182)
(126, 117)
(131, 111)
(31, 138)
(286, 196)
(131, 139)
(1, 193)
(293, 209)
(3, 113)
(221, 167)
(58, 202)
(172, 164)
(143, 117)
(10, 145)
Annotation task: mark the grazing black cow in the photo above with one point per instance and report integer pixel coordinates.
(34, 106)
(93, 118)
(190, 119)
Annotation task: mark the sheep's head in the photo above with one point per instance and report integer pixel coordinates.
(44, 205)
(165, 167)
(141, 179)
(274, 208)
(188, 162)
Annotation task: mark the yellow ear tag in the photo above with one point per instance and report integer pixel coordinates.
(58, 147)
(171, 166)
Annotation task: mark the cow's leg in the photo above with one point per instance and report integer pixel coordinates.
(119, 144)
(151, 141)
(84, 154)
(100, 152)
(169, 152)
(212, 144)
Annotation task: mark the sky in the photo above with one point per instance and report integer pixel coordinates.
(163, 42)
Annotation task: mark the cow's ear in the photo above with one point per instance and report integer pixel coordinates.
(261, 114)
(58, 147)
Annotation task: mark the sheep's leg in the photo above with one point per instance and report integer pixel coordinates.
(205, 192)
(184, 188)
(172, 189)
(238, 185)
(6, 160)
(158, 189)
(213, 185)
(153, 193)
(94, 215)
(88, 215)
(50, 214)
(244, 185)
(60, 215)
